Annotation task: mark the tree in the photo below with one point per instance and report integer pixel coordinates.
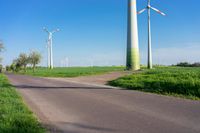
(1, 68)
(186, 64)
(34, 58)
(8, 68)
(15, 66)
(23, 60)
(196, 64)
(1, 49)
(183, 64)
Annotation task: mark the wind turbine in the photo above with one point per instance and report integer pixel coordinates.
(49, 45)
(148, 8)
(48, 54)
(133, 57)
(66, 62)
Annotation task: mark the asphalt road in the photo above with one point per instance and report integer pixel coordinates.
(69, 107)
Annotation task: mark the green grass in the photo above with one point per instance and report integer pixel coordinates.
(71, 71)
(15, 117)
(176, 81)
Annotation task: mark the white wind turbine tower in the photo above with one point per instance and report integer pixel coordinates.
(133, 55)
(49, 45)
(66, 62)
(48, 54)
(149, 7)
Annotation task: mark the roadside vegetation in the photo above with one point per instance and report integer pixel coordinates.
(71, 71)
(176, 81)
(15, 117)
(21, 63)
(27, 64)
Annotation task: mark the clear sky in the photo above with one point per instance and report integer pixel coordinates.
(94, 31)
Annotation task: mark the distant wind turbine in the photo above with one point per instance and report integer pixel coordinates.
(66, 62)
(48, 53)
(148, 8)
(49, 45)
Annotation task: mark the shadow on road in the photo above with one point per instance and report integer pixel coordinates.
(57, 87)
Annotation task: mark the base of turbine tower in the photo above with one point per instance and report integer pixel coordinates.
(133, 59)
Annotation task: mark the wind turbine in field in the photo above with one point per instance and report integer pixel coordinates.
(49, 46)
(48, 53)
(133, 57)
(148, 8)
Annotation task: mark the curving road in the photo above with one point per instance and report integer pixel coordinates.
(69, 107)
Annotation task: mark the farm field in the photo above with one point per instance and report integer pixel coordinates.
(176, 81)
(71, 71)
(15, 117)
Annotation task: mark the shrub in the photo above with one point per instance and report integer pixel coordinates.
(1, 68)
(8, 68)
(183, 64)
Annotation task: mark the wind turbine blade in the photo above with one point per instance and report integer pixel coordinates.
(158, 11)
(45, 30)
(57, 30)
(142, 11)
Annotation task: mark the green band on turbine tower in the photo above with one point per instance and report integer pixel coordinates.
(133, 59)
(133, 56)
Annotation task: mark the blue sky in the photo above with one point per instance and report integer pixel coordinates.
(94, 31)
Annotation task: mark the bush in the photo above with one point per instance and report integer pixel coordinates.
(8, 68)
(23, 60)
(184, 64)
(12, 67)
(1, 68)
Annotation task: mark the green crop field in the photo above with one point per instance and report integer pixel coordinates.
(176, 81)
(14, 115)
(71, 71)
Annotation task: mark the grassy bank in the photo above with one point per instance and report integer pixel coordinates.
(14, 115)
(177, 81)
(71, 71)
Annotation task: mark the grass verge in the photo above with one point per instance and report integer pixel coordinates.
(175, 81)
(71, 71)
(15, 117)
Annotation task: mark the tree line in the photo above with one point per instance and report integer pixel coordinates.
(23, 60)
(187, 64)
